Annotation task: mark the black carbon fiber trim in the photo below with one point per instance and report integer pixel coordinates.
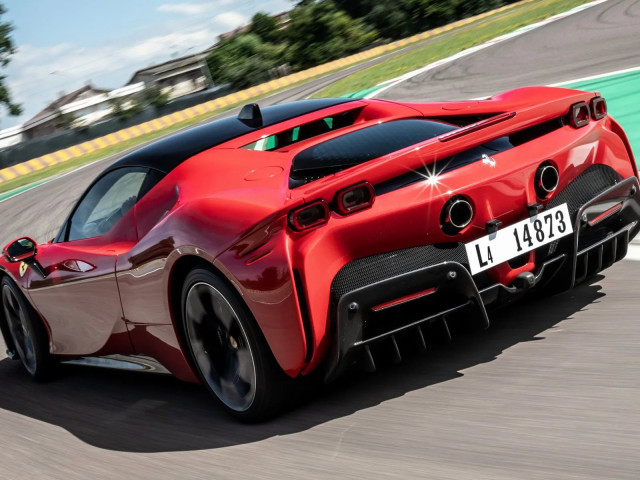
(584, 187)
(368, 270)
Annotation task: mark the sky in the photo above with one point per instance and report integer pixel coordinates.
(63, 44)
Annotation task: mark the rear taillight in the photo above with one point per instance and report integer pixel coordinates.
(309, 216)
(579, 114)
(347, 201)
(598, 108)
(355, 198)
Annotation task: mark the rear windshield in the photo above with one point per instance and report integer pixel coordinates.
(361, 146)
(304, 132)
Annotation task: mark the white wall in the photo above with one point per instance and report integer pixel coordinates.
(10, 136)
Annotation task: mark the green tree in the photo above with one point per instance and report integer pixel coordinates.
(244, 60)
(266, 28)
(400, 18)
(154, 95)
(426, 14)
(6, 50)
(389, 20)
(65, 120)
(361, 8)
(473, 7)
(125, 108)
(319, 32)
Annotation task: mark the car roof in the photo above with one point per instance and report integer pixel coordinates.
(166, 154)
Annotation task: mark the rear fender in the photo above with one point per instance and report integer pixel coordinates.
(513, 100)
(259, 266)
(617, 129)
(253, 259)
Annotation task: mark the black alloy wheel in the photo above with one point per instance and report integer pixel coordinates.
(28, 334)
(228, 349)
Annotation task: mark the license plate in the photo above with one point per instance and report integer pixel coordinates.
(519, 238)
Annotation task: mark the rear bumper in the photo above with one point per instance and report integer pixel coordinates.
(375, 300)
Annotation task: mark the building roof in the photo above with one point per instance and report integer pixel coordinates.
(177, 64)
(54, 107)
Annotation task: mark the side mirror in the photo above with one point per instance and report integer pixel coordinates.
(20, 250)
(24, 250)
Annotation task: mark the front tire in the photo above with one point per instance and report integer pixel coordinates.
(228, 349)
(28, 334)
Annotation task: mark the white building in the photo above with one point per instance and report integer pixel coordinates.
(84, 106)
(11, 136)
(178, 77)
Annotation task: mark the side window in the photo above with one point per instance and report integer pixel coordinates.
(108, 200)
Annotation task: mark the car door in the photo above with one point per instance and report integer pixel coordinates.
(78, 296)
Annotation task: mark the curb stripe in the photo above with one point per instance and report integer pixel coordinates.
(22, 169)
(36, 164)
(135, 131)
(62, 155)
(8, 174)
(14, 172)
(76, 151)
(49, 159)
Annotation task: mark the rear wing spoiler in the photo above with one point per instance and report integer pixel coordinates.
(500, 116)
(512, 101)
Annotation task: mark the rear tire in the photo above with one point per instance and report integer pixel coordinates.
(229, 351)
(28, 334)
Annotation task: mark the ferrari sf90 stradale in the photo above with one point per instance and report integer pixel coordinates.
(317, 235)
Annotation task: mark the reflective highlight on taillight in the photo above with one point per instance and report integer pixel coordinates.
(355, 198)
(598, 108)
(309, 216)
(579, 114)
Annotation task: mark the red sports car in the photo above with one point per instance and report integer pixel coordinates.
(318, 235)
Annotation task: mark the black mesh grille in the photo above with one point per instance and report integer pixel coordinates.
(368, 270)
(585, 187)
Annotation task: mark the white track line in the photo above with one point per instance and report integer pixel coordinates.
(596, 77)
(395, 81)
(633, 253)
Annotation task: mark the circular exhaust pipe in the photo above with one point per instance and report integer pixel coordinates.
(460, 213)
(547, 179)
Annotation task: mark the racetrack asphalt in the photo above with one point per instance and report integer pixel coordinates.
(551, 390)
(597, 40)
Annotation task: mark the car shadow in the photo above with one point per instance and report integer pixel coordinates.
(136, 412)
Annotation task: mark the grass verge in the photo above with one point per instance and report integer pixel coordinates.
(485, 30)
